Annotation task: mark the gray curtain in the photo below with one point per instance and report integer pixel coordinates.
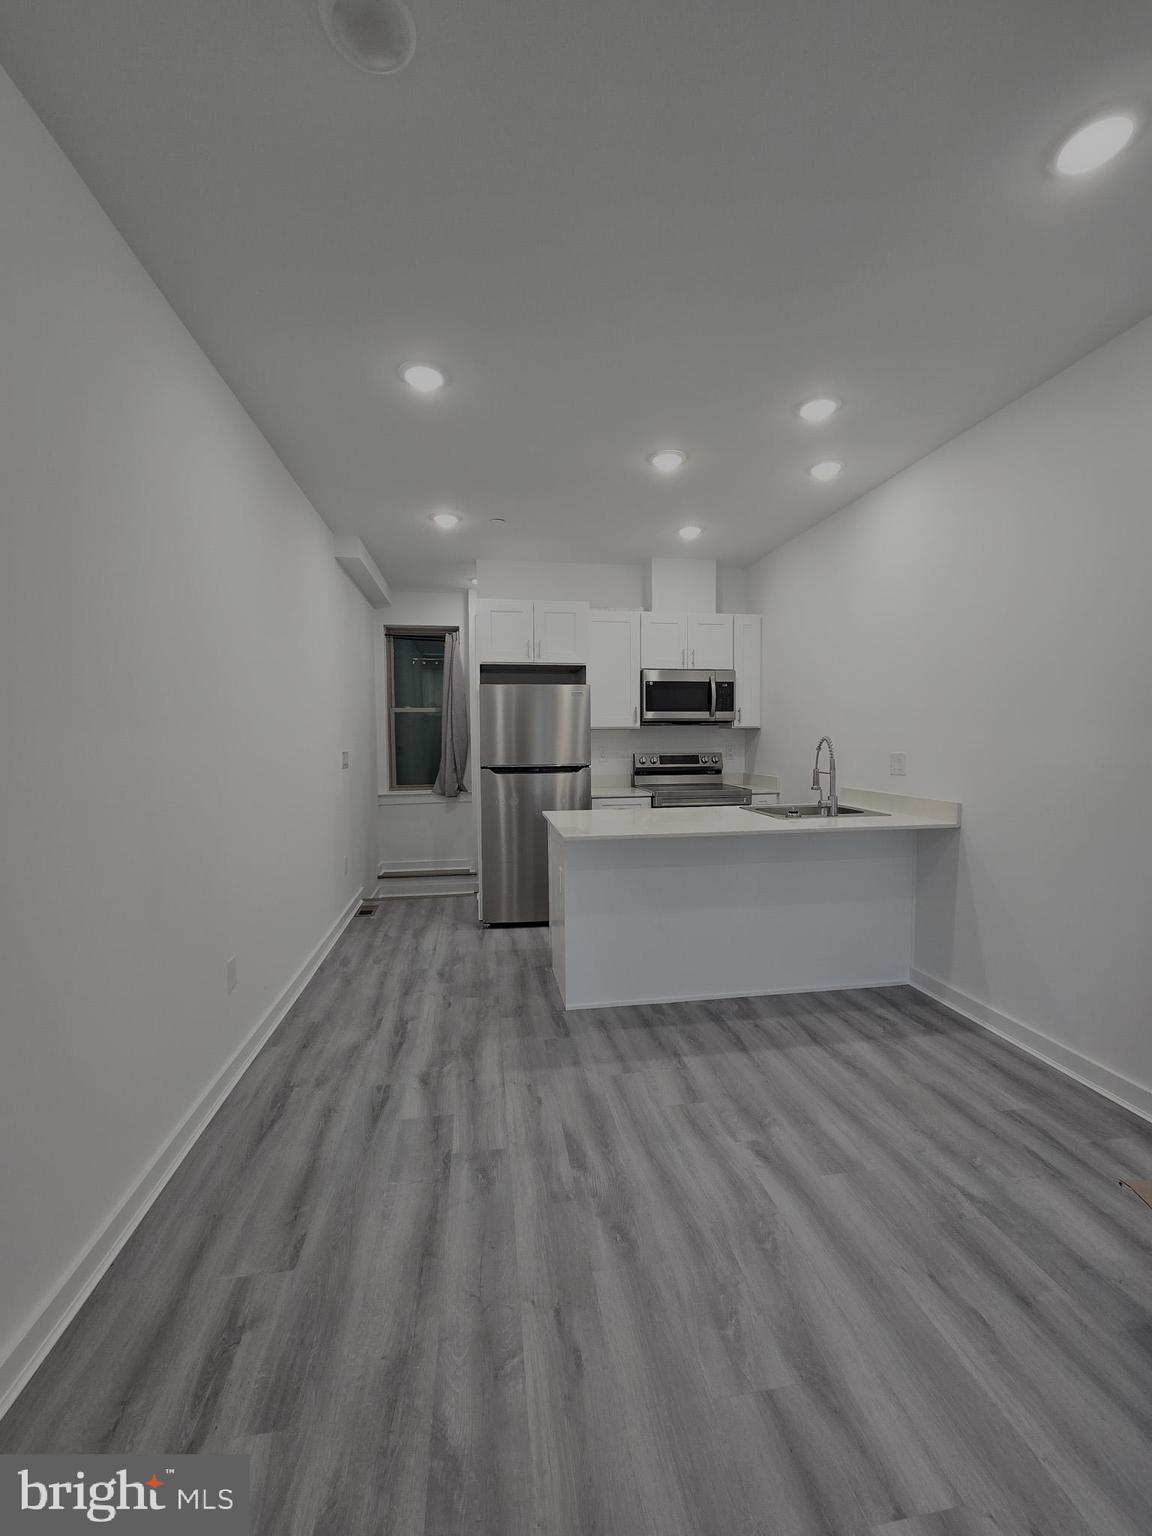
(450, 779)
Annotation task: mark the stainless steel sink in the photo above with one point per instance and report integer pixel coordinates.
(796, 812)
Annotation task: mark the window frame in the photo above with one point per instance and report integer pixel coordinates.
(407, 632)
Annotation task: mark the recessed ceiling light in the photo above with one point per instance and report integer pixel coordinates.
(376, 35)
(446, 519)
(667, 461)
(1095, 144)
(424, 379)
(827, 469)
(690, 532)
(818, 410)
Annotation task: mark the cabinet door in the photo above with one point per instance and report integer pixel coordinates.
(663, 640)
(746, 628)
(503, 629)
(614, 666)
(561, 632)
(710, 640)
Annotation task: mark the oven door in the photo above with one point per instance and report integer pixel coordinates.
(675, 697)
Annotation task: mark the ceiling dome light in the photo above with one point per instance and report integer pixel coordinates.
(827, 469)
(1095, 144)
(376, 35)
(424, 379)
(446, 519)
(818, 410)
(668, 460)
(690, 532)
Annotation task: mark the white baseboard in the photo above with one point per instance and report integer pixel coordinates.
(423, 885)
(388, 867)
(1093, 1074)
(704, 997)
(25, 1357)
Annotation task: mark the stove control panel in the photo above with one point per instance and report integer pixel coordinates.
(677, 767)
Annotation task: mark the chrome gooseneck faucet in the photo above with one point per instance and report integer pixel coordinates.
(831, 806)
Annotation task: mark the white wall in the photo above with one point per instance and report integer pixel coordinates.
(415, 828)
(181, 665)
(681, 586)
(698, 586)
(989, 613)
(732, 589)
(604, 586)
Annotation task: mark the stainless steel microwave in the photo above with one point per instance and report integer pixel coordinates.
(672, 696)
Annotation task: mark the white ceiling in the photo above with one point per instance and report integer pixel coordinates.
(616, 225)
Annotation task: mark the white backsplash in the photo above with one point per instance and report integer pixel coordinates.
(612, 749)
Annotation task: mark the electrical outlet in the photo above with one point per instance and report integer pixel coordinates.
(898, 764)
(230, 976)
(345, 760)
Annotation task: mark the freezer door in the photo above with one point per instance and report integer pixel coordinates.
(514, 837)
(526, 725)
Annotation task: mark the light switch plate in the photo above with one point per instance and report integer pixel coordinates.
(898, 764)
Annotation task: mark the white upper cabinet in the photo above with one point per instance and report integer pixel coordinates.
(561, 631)
(614, 666)
(504, 629)
(511, 630)
(702, 640)
(746, 633)
(663, 640)
(710, 640)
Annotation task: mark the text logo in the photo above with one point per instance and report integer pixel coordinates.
(154, 1494)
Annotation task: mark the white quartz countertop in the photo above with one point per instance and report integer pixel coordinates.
(904, 814)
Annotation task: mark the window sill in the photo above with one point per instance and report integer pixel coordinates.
(414, 797)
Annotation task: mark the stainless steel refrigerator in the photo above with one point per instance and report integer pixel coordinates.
(535, 756)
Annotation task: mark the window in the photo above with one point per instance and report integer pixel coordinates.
(415, 697)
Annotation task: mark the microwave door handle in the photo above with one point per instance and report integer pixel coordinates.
(712, 688)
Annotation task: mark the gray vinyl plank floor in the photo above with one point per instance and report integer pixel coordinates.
(451, 1262)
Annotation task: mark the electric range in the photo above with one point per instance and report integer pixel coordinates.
(686, 779)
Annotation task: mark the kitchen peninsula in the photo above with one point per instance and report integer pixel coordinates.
(667, 905)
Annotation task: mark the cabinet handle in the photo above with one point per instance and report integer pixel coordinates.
(635, 714)
(683, 657)
(739, 712)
